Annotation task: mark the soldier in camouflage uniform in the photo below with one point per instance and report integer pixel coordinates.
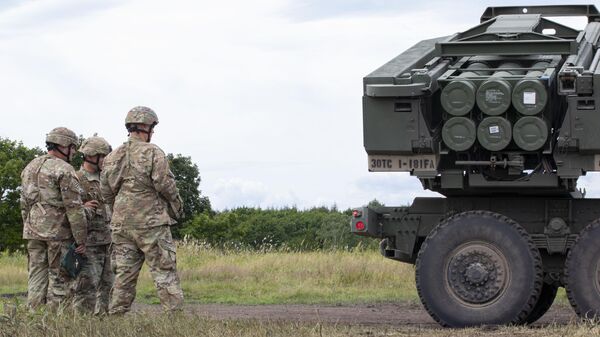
(93, 284)
(137, 182)
(53, 217)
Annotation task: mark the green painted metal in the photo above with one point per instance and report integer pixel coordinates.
(494, 133)
(589, 11)
(458, 97)
(494, 96)
(549, 47)
(530, 95)
(530, 133)
(459, 133)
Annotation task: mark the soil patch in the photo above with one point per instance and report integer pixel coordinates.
(381, 314)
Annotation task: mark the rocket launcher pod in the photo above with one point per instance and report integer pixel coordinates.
(530, 133)
(530, 96)
(494, 133)
(494, 95)
(458, 97)
(459, 133)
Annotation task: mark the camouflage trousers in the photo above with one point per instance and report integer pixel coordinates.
(130, 248)
(46, 283)
(91, 289)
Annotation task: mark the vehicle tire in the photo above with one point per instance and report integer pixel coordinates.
(582, 272)
(478, 268)
(544, 303)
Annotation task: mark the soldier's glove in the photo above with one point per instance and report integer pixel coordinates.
(72, 262)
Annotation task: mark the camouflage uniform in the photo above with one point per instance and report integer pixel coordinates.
(53, 216)
(92, 286)
(137, 182)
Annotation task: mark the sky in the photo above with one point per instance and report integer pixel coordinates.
(263, 95)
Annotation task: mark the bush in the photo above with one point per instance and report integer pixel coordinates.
(316, 228)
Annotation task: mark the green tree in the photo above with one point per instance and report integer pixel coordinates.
(187, 177)
(375, 203)
(316, 228)
(13, 158)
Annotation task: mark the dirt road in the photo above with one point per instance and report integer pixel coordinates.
(380, 314)
(366, 314)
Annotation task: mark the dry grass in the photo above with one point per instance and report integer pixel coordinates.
(13, 273)
(269, 276)
(16, 322)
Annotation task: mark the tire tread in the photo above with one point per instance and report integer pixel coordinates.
(522, 316)
(570, 294)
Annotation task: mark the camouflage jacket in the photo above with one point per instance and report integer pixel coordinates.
(51, 202)
(99, 218)
(137, 182)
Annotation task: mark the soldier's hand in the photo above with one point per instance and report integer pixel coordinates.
(92, 204)
(80, 249)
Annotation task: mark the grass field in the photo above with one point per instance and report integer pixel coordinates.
(252, 277)
(231, 276)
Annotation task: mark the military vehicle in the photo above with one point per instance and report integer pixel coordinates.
(501, 120)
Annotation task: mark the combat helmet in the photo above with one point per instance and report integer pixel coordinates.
(62, 136)
(94, 146)
(141, 115)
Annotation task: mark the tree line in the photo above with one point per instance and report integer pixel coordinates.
(255, 228)
(298, 230)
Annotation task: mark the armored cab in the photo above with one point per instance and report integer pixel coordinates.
(502, 120)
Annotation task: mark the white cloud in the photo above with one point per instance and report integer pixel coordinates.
(237, 192)
(590, 184)
(392, 189)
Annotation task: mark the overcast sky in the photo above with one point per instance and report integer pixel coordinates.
(264, 95)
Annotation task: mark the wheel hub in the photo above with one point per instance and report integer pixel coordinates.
(477, 273)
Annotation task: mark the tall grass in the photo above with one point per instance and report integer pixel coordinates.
(13, 273)
(278, 276)
(266, 276)
(236, 275)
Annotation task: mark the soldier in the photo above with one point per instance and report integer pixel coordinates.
(93, 284)
(137, 182)
(53, 217)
